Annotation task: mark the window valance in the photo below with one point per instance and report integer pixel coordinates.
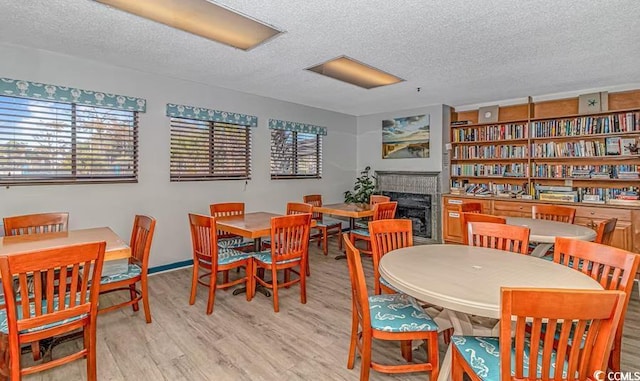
(275, 124)
(199, 113)
(41, 91)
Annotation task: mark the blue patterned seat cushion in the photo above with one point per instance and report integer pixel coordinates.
(483, 356)
(4, 324)
(228, 256)
(133, 271)
(363, 232)
(388, 285)
(328, 222)
(399, 313)
(362, 224)
(233, 242)
(265, 257)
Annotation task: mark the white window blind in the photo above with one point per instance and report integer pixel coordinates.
(206, 150)
(295, 155)
(43, 142)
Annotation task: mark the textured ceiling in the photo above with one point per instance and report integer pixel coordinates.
(458, 52)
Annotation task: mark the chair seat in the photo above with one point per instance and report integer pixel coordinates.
(265, 257)
(362, 232)
(227, 256)
(328, 223)
(132, 271)
(4, 324)
(362, 224)
(399, 313)
(388, 285)
(233, 242)
(483, 356)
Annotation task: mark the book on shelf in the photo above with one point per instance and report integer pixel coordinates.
(614, 201)
(460, 122)
(593, 202)
(627, 144)
(561, 196)
(612, 145)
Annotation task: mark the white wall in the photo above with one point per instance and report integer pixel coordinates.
(114, 205)
(370, 142)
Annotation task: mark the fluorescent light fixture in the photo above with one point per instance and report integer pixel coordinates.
(201, 18)
(356, 73)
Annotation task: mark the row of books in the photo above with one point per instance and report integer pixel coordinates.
(580, 148)
(627, 172)
(496, 170)
(491, 133)
(489, 189)
(621, 122)
(490, 152)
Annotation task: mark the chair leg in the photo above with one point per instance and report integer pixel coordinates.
(35, 351)
(212, 292)
(248, 272)
(90, 345)
(133, 295)
(354, 339)
(225, 277)
(194, 283)
(457, 373)
(614, 356)
(365, 365)
(339, 240)
(274, 285)
(303, 283)
(433, 356)
(325, 241)
(405, 348)
(145, 298)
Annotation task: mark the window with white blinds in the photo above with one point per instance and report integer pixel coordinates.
(207, 150)
(295, 155)
(43, 142)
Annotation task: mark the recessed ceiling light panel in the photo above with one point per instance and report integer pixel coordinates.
(202, 18)
(356, 73)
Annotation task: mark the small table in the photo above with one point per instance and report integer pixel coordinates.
(544, 232)
(249, 225)
(117, 251)
(466, 280)
(352, 211)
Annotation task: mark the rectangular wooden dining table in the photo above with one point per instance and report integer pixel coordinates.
(352, 211)
(116, 256)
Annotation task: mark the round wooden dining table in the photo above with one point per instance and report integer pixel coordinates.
(466, 280)
(544, 232)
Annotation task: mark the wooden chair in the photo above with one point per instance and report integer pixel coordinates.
(614, 268)
(554, 213)
(604, 231)
(225, 239)
(470, 207)
(393, 312)
(141, 238)
(299, 208)
(499, 236)
(36, 223)
(596, 315)
(208, 255)
(363, 223)
(289, 249)
(387, 235)
(59, 304)
(326, 226)
(381, 211)
(467, 217)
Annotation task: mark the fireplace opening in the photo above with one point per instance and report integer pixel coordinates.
(417, 208)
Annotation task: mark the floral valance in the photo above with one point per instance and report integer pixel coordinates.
(35, 90)
(275, 124)
(199, 113)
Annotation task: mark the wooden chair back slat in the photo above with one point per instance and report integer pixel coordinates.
(466, 217)
(226, 209)
(299, 208)
(290, 237)
(594, 317)
(554, 213)
(498, 236)
(36, 223)
(604, 231)
(385, 210)
(613, 268)
(378, 198)
(387, 235)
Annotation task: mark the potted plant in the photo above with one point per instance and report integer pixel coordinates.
(363, 188)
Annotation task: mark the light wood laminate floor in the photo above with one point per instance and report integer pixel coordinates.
(246, 340)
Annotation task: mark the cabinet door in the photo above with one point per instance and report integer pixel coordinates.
(451, 219)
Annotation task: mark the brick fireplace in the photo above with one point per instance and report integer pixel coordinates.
(418, 195)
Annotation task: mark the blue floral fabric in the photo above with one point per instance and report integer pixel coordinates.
(483, 356)
(399, 313)
(265, 257)
(4, 323)
(233, 242)
(132, 271)
(363, 232)
(228, 256)
(362, 225)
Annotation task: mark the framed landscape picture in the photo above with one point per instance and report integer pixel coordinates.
(406, 138)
